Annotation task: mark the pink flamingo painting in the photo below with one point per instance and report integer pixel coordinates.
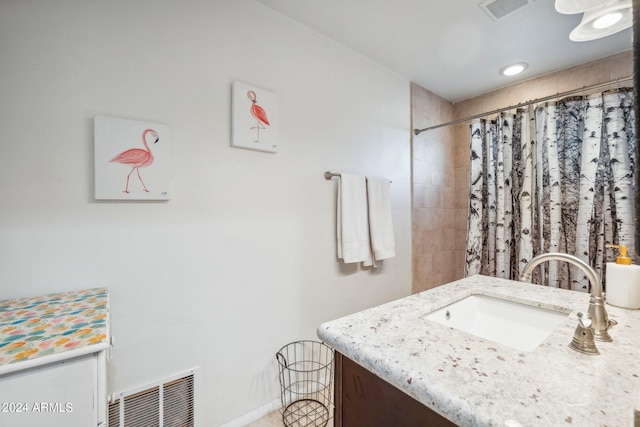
(258, 113)
(137, 158)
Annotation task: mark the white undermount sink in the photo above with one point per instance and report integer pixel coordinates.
(516, 325)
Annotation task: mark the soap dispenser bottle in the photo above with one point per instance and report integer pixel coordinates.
(623, 281)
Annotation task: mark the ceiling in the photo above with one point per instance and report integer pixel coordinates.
(452, 47)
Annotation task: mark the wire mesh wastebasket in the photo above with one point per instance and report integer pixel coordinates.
(306, 378)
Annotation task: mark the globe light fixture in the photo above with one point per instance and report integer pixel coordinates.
(600, 18)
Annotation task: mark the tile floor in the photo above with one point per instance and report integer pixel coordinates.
(274, 419)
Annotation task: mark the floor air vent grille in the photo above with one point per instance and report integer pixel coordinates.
(166, 403)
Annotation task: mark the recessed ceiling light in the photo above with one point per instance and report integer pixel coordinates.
(512, 70)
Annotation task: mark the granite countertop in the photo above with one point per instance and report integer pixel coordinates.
(39, 326)
(476, 382)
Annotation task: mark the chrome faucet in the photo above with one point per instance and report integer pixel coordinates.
(598, 319)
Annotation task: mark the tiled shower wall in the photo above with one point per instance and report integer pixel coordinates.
(434, 237)
(441, 162)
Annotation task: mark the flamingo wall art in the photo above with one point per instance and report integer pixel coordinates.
(131, 159)
(255, 118)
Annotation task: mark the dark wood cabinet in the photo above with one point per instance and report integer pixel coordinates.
(363, 399)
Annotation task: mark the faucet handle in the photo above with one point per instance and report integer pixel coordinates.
(584, 320)
(583, 338)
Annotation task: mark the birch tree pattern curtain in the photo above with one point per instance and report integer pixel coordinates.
(559, 178)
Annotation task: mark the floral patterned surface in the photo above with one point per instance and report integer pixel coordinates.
(39, 326)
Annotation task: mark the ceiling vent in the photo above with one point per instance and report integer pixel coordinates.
(497, 9)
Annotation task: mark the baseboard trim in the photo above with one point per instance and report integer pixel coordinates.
(254, 415)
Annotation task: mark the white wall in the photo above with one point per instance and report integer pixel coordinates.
(241, 260)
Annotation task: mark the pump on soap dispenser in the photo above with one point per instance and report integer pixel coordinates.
(623, 281)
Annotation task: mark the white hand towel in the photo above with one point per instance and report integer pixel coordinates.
(380, 221)
(352, 220)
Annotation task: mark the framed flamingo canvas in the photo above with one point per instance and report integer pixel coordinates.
(255, 118)
(131, 159)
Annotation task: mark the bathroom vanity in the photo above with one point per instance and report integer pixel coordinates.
(53, 360)
(395, 361)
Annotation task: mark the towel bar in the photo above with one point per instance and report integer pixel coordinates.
(328, 175)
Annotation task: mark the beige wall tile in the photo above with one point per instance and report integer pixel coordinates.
(417, 147)
(437, 172)
(462, 198)
(461, 239)
(460, 259)
(448, 198)
(587, 75)
(461, 224)
(621, 66)
(430, 196)
(461, 178)
(420, 171)
(469, 107)
(532, 89)
(422, 272)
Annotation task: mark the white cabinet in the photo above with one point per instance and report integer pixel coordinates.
(53, 360)
(65, 393)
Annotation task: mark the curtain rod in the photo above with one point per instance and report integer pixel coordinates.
(524, 104)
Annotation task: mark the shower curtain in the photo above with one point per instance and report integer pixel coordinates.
(557, 178)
